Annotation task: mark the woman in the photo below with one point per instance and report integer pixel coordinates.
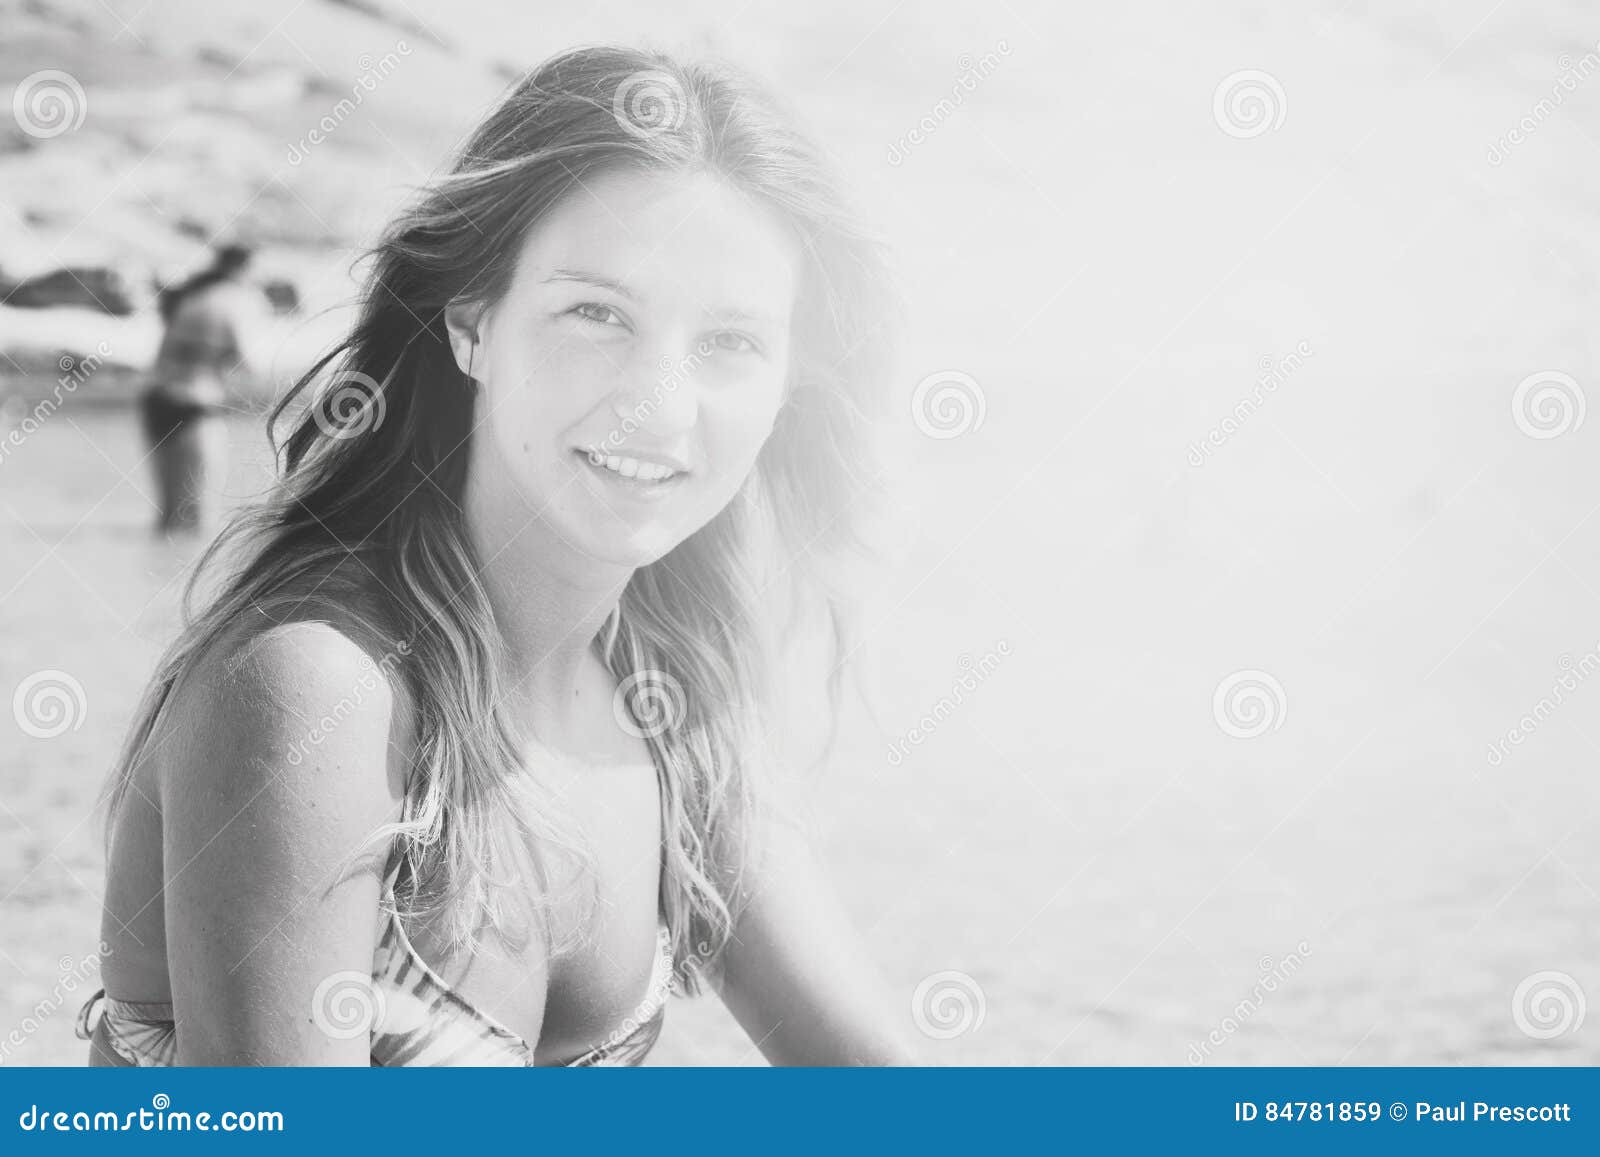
(466, 761)
(182, 408)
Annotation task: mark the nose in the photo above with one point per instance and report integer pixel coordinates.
(660, 396)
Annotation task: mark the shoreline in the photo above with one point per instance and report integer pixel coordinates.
(109, 388)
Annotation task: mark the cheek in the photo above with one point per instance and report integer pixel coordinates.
(521, 432)
(510, 421)
(534, 400)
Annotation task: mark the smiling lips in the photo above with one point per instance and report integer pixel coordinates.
(631, 467)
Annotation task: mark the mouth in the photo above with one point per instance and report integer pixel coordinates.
(636, 476)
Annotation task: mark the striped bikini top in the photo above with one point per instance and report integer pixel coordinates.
(415, 1017)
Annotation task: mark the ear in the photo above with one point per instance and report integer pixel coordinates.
(462, 322)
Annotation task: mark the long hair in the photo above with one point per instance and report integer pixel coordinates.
(366, 514)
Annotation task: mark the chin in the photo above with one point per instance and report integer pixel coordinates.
(641, 548)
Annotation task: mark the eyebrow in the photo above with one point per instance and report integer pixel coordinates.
(592, 279)
(729, 313)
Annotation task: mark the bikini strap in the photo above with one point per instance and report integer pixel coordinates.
(84, 1029)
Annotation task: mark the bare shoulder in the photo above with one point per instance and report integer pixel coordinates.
(282, 759)
(299, 712)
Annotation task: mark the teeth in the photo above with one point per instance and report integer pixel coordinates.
(631, 467)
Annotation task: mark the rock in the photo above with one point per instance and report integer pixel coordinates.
(90, 287)
(282, 295)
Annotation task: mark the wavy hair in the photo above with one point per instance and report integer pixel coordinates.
(365, 519)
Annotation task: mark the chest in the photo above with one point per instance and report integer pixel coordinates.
(570, 1001)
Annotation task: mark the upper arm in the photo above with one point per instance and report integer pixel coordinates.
(799, 979)
(276, 772)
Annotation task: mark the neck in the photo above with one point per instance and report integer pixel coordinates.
(549, 604)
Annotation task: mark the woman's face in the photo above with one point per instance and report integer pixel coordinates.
(633, 370)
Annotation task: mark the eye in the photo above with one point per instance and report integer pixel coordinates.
(730, 341)
(595, 312)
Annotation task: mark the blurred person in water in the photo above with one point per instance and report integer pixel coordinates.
(181, 408)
